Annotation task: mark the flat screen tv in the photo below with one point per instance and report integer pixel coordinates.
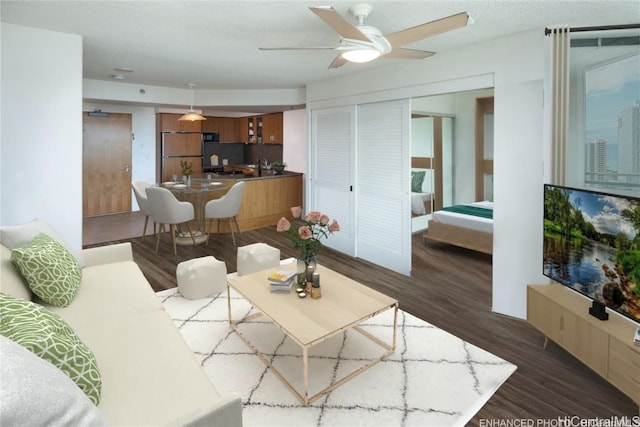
(592, 245)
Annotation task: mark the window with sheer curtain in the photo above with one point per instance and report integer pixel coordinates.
(603, 149)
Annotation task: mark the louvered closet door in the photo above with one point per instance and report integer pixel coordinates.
(383, 215)
(332, 172)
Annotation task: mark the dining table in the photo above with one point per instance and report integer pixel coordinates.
(197, 191)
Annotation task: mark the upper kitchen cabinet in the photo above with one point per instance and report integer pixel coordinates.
(272, 128)
(227, 127)
(266, 129)
(170, 123)
(248, 130)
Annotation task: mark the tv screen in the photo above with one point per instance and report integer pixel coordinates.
(592, 245)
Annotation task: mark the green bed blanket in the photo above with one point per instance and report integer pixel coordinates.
(470, 210)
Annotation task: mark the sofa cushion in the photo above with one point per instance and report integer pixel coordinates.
(48, 336)
(52, 272)
(11, 281)
(17, 236)
(149, 374)
(35, 391)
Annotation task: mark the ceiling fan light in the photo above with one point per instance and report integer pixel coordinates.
(360, 55)
(192, 116)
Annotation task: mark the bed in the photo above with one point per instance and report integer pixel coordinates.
(420, 194)
(469, 226)
(420, 203)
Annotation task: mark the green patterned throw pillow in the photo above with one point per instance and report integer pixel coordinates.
(45, 334)
(51, 271)
(417, 178)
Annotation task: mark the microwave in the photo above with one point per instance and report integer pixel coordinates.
(210, 137)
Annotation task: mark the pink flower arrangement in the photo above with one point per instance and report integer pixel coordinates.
(306, 237)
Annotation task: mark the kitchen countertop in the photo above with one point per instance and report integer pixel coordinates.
(239, 176)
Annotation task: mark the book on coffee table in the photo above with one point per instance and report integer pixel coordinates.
(281, 276)
(282, 281)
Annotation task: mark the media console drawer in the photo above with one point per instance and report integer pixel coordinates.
(604, 346)
(624, 368)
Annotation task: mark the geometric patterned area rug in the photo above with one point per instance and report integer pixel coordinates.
(432, 379)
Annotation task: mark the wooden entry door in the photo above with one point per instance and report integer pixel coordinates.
(106, 164)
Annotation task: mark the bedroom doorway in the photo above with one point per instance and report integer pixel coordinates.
(431, 166)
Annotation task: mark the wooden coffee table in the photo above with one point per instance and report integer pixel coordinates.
(345, 304)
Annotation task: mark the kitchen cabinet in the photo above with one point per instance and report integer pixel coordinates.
(272, 128)
(242, 129)
(227, 127)
(265, 200)
(265, 129)
(170, 123)
(604, 346)
(212, 124)
(247, 129)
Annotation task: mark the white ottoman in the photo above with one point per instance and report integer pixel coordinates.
(256, 257)
(201, 277)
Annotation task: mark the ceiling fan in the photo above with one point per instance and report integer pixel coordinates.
(364, 43)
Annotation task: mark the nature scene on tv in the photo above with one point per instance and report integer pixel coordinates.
(592, 244)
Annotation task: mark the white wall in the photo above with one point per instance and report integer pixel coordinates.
(101, 91)
(294, 151)
(41, 134)
(514, 66)
(143, 148)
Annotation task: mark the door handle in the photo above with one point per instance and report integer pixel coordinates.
(127, 168)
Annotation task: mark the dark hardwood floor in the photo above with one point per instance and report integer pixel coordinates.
(450, 288)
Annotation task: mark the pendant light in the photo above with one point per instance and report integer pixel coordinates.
(192, 115)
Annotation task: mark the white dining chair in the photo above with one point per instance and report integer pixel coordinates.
(166, 209)
(139, 187)
(226, 207)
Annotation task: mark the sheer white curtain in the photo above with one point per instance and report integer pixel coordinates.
(560, 42)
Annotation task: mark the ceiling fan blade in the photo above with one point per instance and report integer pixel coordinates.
(338, 23)
(428, 29)
(338, 61)
(402, 53)
(300, 48)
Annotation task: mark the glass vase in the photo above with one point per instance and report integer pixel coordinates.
(306, 264)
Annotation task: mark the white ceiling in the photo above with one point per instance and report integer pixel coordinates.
(214, 44)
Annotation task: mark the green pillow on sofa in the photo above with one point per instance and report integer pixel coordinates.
(51, 271)
(48, 336)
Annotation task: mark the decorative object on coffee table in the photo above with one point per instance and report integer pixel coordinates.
(306, 238)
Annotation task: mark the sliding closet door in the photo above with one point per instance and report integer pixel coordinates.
(331, 171)
(383, 214)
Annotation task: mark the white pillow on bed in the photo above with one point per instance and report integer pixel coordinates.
(484, 204)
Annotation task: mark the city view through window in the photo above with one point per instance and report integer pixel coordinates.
(612, 124)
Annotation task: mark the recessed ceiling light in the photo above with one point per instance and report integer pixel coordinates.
(117, 76)
(123, 70)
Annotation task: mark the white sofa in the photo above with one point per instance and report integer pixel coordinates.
(149, 375)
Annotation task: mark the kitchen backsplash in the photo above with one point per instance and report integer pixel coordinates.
(240, 153)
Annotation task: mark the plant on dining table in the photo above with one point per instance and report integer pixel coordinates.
(186, 167)
(306, 235)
